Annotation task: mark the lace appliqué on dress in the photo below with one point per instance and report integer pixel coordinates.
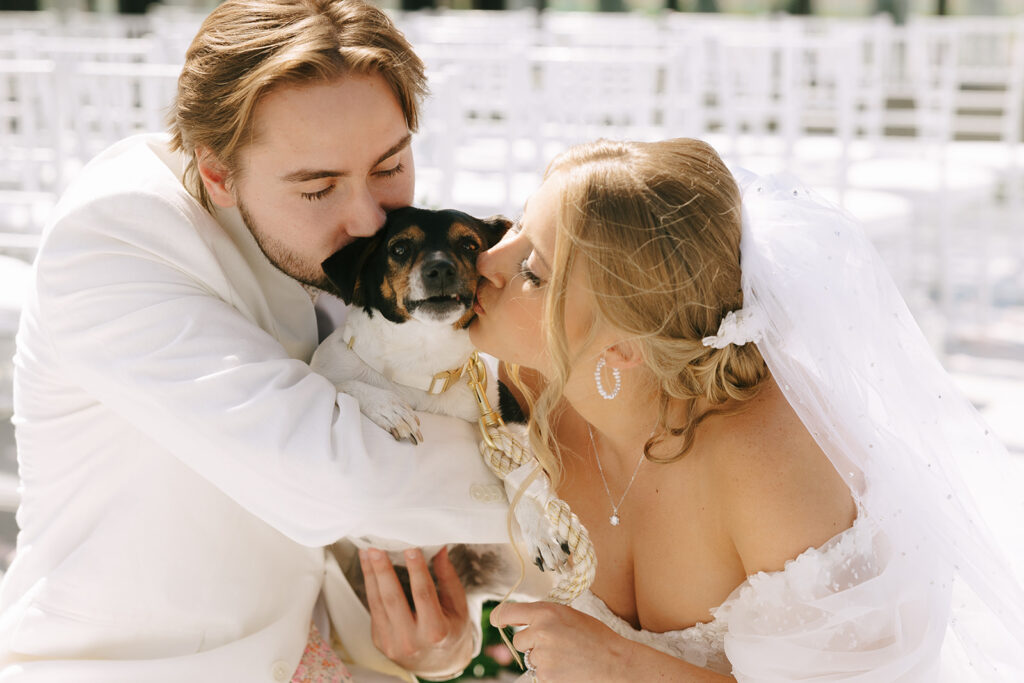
(769, 602)
(700, 645)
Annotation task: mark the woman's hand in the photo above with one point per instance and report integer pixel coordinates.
(565, 645)
(436, 638)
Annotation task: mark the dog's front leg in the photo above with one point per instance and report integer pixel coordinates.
(377, 397)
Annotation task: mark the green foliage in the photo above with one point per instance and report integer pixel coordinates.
(484, 665)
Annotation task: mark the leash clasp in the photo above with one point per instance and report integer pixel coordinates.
(446, 378)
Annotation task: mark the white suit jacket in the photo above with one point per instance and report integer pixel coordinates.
(181, 465)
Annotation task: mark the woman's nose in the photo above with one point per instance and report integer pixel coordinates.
(488, 265)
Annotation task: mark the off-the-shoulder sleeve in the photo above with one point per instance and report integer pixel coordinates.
(854, 609)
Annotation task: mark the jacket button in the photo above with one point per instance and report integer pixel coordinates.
(487, 493)
(282, 671)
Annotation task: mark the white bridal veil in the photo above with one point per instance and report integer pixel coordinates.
(935, 485)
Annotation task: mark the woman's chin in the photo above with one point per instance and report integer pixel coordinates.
(475, 334)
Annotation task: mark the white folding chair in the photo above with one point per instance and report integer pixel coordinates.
(31, 159)
(917, 163)
(586, 93)
(485, 103)
(104, 102)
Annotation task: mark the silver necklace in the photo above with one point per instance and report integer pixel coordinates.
(614, 519)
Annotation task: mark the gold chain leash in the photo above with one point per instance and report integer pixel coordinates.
(503, 453)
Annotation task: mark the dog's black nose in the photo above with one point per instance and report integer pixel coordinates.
(439, 273)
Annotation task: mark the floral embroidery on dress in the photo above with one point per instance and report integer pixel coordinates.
(319, 663)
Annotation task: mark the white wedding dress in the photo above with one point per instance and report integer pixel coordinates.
(819, 618)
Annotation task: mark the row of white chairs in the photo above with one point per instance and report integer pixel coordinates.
(903, 125)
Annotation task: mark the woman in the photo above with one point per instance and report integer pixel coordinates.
(765, 521)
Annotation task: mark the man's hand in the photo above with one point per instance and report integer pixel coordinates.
(435, 638)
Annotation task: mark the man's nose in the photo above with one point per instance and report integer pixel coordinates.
(365, 215)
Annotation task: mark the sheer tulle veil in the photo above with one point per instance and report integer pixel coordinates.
(922, 465)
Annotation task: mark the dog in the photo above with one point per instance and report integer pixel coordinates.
(403, 348)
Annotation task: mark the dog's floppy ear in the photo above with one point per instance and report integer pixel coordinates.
(344, 268)
(495, 228)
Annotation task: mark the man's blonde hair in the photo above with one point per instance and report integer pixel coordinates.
(246, 48)
(655, 229)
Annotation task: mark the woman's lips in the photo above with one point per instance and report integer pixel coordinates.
(477, 306)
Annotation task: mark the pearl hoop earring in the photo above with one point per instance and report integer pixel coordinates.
(608, 395)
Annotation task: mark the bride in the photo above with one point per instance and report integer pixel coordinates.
(763, 450)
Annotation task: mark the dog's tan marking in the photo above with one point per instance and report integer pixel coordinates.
(410, 232)
(464, 321)
(457, 230)
(395, 287)
(466, 260)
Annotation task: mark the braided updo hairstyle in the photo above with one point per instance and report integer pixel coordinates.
(655, 228)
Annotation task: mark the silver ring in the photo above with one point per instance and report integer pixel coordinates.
(526, 662)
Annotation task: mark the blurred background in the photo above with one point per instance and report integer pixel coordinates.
(907, 113)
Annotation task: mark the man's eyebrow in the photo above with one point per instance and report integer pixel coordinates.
(395, 148)
(304, 175)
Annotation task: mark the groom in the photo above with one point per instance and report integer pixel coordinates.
(181, 466)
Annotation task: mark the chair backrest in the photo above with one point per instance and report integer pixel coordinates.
(107, 101)
(29, 126)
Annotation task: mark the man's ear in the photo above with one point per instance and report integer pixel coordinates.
(495, 228)
(215, 178)
(344, 268)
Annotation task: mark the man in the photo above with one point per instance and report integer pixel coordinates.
(181, 465)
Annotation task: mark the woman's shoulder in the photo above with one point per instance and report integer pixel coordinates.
(779, 492)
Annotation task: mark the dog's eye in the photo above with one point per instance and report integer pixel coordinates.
(470, 245)
(399, 249)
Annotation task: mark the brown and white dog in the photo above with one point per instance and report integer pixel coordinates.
(403, 348)
(405, 343)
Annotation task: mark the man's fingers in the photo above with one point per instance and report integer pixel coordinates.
(429, 617)
(450, 588)
(391, 596)
(378, 614)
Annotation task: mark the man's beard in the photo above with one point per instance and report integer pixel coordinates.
(284, 259)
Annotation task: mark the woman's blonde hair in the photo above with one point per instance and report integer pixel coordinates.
(655, 229)
(246, 48)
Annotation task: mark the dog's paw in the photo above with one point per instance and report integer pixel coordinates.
(387, 411)
(549, 549)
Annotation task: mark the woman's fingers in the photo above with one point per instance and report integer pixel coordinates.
(514, 613)
(450, 589)
(524, 640)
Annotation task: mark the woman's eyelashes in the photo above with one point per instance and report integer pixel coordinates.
(531, 277)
